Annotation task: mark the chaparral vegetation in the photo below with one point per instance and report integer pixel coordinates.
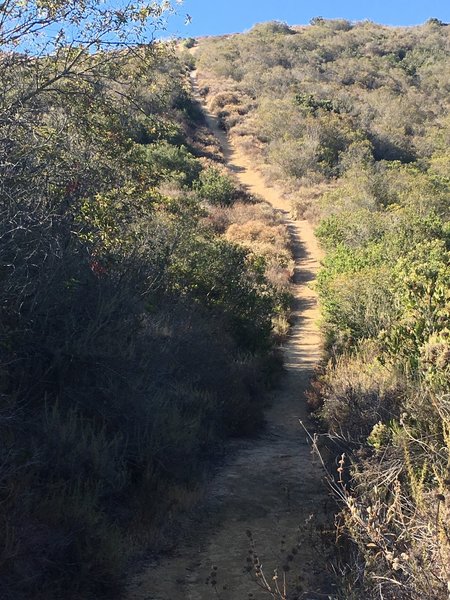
(144, 292)
(138, 319)
(353, 120)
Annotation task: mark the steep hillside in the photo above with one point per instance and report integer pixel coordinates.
(352, 120)
(142, 294)
(154, 276)
(265, 510)
(311, 102)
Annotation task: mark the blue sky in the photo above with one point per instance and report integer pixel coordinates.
(213, 17)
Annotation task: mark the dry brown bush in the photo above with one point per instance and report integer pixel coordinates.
(358, 392)
(256, 231)
(224, 100)
(305, 202)
(220, 217)
(270, 241)
(397, 516)
(258, 227)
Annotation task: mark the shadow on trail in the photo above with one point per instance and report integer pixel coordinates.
(271, 485)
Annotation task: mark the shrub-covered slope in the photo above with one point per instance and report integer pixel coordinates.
(354, 118)
(137, 327)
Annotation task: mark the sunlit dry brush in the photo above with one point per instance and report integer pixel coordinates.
(351, 119)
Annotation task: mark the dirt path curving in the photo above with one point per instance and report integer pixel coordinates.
(271, 485)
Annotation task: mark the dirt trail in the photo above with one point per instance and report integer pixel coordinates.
(271, 485)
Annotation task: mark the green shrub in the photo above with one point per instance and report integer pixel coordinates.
(172, 163)
(272, 28)
(216, 188)
(135, 336)
(183, 101)
(189, 42)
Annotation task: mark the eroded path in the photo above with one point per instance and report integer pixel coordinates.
(271, 485)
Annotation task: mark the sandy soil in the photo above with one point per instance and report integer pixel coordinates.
(271, 485)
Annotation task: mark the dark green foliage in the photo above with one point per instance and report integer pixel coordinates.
(435, 22)
(312, 105)
(219, 275)
(131, 336)
(189, 42)
(215, 187)
(172, 163)
(191, 109)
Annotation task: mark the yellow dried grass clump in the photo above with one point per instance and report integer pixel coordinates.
(270, 241)
(258, 232)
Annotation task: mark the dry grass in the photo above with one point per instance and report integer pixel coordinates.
(260, 229)
(395, 490)
(357, 392)
(399, 525)
(221, 218)
(305, 201)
